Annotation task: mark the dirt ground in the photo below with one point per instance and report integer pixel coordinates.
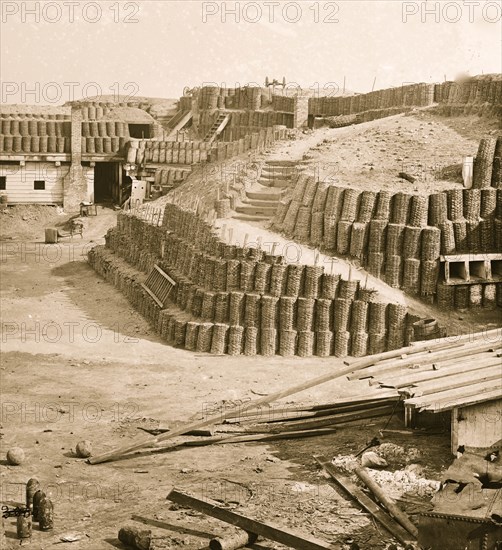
(79, 363)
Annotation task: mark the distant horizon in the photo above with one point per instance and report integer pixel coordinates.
(125, 98)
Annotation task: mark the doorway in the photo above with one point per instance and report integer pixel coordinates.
(107, 176)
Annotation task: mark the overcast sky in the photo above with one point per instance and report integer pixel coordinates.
(160, 46)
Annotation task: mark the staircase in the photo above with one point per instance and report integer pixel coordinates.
(261, 203)
(218, 126)
(177, 122)
(278, 174)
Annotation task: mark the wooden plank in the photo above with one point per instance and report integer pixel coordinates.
(459, 381)
(460, 351)
(249, 438)
(344, 483)
(332, 420)
(390, 505)
(159, 303)
(444, 370)
(357, 365)
(463, 401)
(164, 274)
(457, 395)
(268, 530)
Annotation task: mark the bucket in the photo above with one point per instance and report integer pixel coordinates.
(51, 235)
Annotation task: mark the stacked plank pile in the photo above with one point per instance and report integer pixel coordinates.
(399, 237)
(465, 372)
(237, 300)
(259, 409)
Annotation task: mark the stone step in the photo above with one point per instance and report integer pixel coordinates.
(256, 210)
(263, 195)
(283, 163)
(274, 183)
(280, 173)
(259, 203)
(251, 217)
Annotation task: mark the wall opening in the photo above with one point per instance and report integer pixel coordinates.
(106, 182)
(140, 131)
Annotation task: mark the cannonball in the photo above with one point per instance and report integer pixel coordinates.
(15, 456)
(84, 449)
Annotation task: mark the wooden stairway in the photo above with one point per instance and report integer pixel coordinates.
(218, 126)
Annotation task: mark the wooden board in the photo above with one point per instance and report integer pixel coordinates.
(268, 530)
(350, 488)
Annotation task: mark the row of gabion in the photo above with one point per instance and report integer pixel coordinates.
(34, 144)
(32, 128)
(488, 164)
(246, 275)
(315, 208)
(486, 295)
(388, 324)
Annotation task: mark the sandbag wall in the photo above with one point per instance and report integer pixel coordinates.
(488, 164)
(398, 237)
(40, 134)
(413, 95)
(243, 301)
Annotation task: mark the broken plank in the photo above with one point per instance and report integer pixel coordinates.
(267, 530)
(390, 505)
(343, 482)
(221, 440)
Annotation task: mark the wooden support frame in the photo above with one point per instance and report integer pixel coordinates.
(267, 530)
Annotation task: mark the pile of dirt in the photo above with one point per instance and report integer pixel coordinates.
(28, 221)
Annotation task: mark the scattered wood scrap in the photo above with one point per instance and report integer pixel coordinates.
(343, 482)
(390, 505)
(267, 530)
(359, 365)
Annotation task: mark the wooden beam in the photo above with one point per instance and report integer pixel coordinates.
(446, 395)
(462, 380)
(462, 401)
(268, 530)
(344, 483)
(457, 352)
(443, 370)
(390, 505)
(339, 373)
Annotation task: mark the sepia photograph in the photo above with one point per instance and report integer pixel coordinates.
(251, 274)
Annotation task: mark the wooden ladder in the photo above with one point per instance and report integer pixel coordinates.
(158, 285)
